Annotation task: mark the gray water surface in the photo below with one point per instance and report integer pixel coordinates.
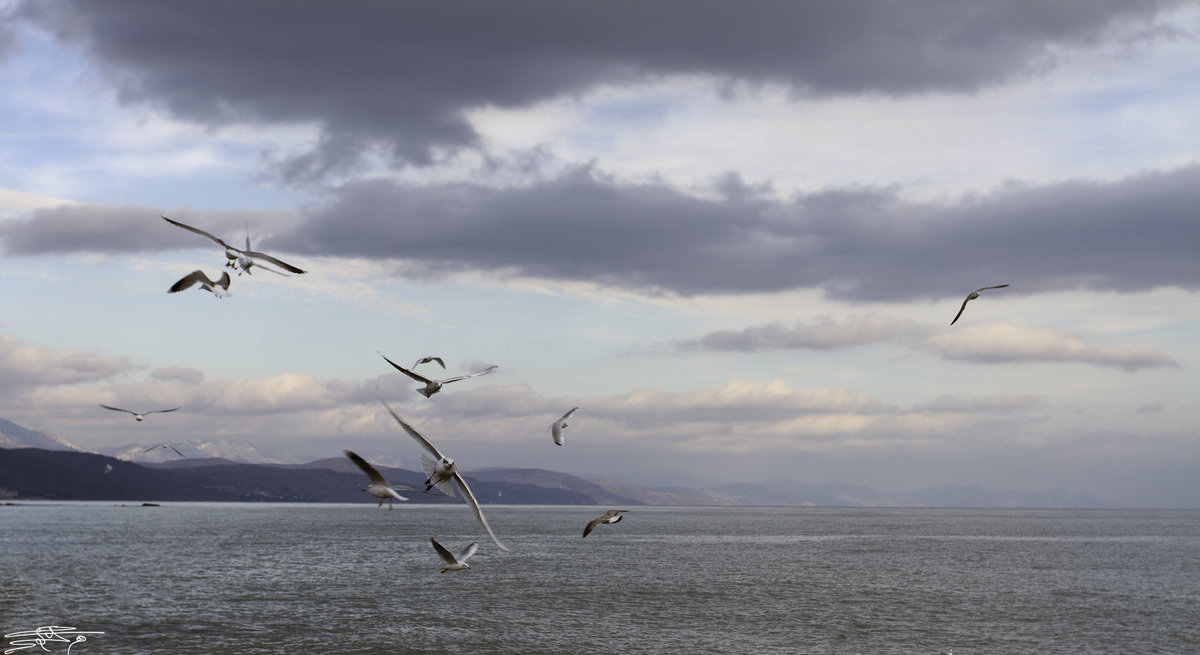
(341, 578)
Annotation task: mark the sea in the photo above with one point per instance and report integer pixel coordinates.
(123, 578)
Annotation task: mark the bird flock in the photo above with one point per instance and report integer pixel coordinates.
(443, 474)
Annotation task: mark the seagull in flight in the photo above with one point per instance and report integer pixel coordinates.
(611, 516)
(442, 472)
(219, 288)
(139, 415)
(162, 445)
(379, 486)
(556, 427)
(455, 563)
(429, 358)
(433, 386)
(974, 294)
(239, 259)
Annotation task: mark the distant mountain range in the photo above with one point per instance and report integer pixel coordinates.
(16, 436)
(34, 465)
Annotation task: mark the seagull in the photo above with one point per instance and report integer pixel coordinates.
(973, 296)
(556, 427)
(379, 486)
(220, 288)
(442, 471)
(240, 259)
(434, 386)
(611, 516)
(139, 415)
(455, 563)
(429, 358)
(163, 445)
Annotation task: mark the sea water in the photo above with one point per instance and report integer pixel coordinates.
(340, 578)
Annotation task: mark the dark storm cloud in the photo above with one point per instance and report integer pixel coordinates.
(401, 75)
(857, 244)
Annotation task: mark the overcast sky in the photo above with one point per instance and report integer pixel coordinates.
(733, 234)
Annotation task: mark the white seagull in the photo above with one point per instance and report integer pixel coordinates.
(239, 259)
(433, 386)
(556, 427)
(611, 516)
(219, 288)
(379, 486)
(974, 294)
(455, 563)
(139, 415)
(163, 445)
(442, 472)
(429, 358)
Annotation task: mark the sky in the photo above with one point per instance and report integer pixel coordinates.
(733, 234)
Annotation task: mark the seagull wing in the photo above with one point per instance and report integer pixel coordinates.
(416, 376)
(366, 467)
(187, 281)
(568, 414)
(175, 449)
(592, 525)
(960, 310)
(464, 377)
(462, 484)
(118, 409)
(278, 262)
(162, 411)
(202, 233)
(413, 433)
(441, 550)
(426, 360)
(468, 552)
(998, 286)
(611, 516)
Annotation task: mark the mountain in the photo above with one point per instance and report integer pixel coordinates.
(221, 470)
(192, 448)
(16, 436)
(62, 475)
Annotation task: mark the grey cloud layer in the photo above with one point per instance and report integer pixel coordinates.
(128, 229)
(1132, 235)
(402, 75)
(857, 244)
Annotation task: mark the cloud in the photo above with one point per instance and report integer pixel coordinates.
(738, 416)
(177, 374)
(986, 344)
(24, 366)
(1006, 343)
(399, 78)
(824, 333)
(855, 244)
(129, 228)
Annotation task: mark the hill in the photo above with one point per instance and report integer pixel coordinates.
(68, 475)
